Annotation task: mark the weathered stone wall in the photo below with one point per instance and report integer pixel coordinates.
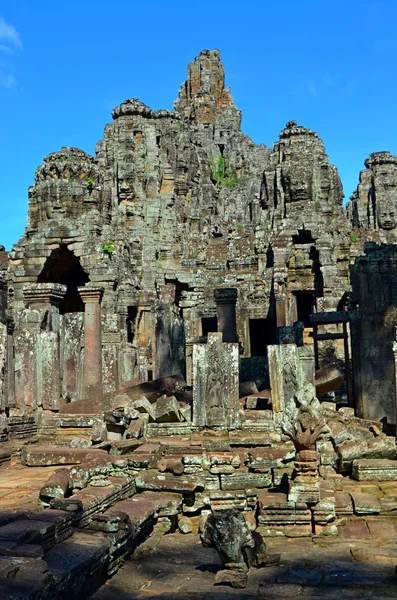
(3, 341)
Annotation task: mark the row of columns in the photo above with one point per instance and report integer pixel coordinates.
(38, 377)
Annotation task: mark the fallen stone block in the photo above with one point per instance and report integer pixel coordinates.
(172, 465)
(152, 480)
(374, 470)
(167, 410)
(44, 456)
(142, 405)
(379, 447)
(56, 487)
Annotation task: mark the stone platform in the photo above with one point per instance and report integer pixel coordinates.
(351, 566)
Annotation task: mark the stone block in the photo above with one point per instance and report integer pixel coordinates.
(374, 470)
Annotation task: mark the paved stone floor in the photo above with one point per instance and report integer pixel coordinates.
(19, 486)
(356, 564)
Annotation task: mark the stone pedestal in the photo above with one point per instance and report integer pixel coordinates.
(92, 373)
(225, 300)
(305, 486)
(216, 383)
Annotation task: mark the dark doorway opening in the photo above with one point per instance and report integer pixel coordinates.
(62, 266)
(132, 323)
(305, 304)
(209, 325)
(304, 237)
(261, 335)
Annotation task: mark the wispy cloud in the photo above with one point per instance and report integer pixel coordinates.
(9, 36)
(7, 80)
(10, 43)
(327, 85)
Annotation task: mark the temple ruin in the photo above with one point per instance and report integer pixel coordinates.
(196, 335)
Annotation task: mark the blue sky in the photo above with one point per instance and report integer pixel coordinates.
(65, 65)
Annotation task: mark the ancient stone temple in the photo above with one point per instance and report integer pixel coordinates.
(197, 337)
(115, 274)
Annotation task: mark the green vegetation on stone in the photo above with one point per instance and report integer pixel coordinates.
(221, 174)
(90, 185)
(108, 247)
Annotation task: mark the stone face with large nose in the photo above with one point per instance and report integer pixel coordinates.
(225, 300)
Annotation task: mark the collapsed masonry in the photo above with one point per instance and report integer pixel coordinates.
(162, 324)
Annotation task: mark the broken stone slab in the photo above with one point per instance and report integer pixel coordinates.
(44, 456)
(155, 481)
(236, 578)
(374, 470)
(166, 385)
(379, 447)
(137, 428)
(56, 487)
(122, 447)
(167, 410)
(142, 405)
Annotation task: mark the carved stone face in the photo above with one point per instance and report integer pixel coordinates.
(386, 197)
(387, 218)
(297, 185)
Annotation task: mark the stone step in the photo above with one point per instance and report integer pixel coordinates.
(94, 500)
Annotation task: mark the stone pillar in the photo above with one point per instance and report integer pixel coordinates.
(41, 349)
(225, 300)
(10, 383)
(281, 254)
(92, 373)
(216, 384)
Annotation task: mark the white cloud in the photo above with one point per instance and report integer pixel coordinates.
(10, 42)
(7, 80)
(9, 35)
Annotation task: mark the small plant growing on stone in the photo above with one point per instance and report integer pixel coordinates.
(90, 185)
(221, 174)
(108, 248)
(353, 237)
(239, 226)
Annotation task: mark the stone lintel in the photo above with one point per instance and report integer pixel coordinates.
(225, 295)
(91, 294)
(43, 295)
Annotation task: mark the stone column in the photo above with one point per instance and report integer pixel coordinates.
(225, 300)
(92, 373)
(10, 384)
(41, 353)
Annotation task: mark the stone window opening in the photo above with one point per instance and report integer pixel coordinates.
(261, 333)
(63, 266)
